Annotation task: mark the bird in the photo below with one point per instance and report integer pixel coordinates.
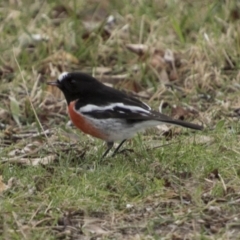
(107, 113)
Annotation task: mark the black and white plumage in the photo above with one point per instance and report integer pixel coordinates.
(114, 115)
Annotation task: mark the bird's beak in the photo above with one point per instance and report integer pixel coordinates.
(56, 83)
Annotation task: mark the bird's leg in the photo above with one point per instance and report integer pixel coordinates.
(118, 147)
(109, 147)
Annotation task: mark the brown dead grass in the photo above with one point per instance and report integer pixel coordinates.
(179, 56)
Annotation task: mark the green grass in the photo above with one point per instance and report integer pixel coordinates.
(184, 186)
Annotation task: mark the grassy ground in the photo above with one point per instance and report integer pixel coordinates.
(173, 183)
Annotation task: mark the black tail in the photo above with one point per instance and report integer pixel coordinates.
(183, 124)
(163, 118)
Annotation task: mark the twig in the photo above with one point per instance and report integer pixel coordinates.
(32, 135)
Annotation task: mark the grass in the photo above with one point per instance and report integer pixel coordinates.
(172, 183)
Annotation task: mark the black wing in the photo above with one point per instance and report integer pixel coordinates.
(105, 95)
(133, 114)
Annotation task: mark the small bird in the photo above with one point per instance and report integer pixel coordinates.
(107, 113)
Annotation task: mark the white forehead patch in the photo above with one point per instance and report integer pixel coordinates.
(62, 76)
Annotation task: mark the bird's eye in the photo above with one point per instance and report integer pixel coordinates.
(72, 81)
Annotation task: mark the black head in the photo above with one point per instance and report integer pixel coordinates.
(74, 84)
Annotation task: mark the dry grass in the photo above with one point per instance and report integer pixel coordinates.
(179, 55)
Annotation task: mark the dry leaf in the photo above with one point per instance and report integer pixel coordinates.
(169, 56)
(180, 113)
(139, 49)
(112, 79)
(27, 150)
(102, 70)
(130, 85)
(29, 39)
(93, 226)
(3, 186)
(104, 25)
(163, 76)
(214, 174)
(91, 25)
(33, 161)
(157, 62)
(60, 11)
(4, 115)
(163, 128)
(201, 139)
(6, 72)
